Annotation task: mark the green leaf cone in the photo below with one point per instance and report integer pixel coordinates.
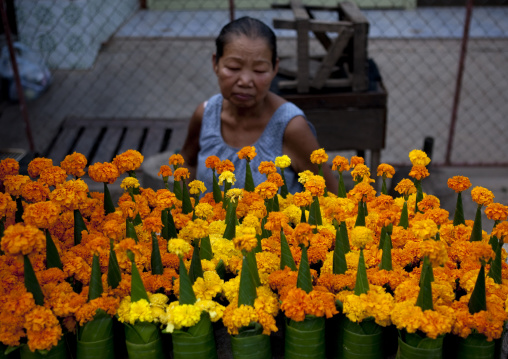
(339, 254)
(52, 257)
(177, 189)
(96, 289)
(478, 300)
(217, 194)
(458, 217)
(342, 188)
(114, 273)
(168, 224)
(284, 189)
(304, 280)
(251, 343)
(404, 217)
(303, 219)
(414, 346)
(315, 213)
(220, 268)
(130, 232)
(109, 207)
(230, 231)
(31, 283)
(138, 290)
(305, 339)
(143, 340)
(79, 226)
(476, 234)
(419, 194)
(197, 342)
(496, 266)
(95, 338)
(384, 189)
(265, 233)
(494, 242)
(156, 260)
(187, 295)
(386, 259)
(137, 220)
(186, 201)
(247, 290)
(275, 205)
(195, 270)
(344, 237)
(360, 218)
(251, 259)
(205, 250)
(424, 300)
(286, 258)
(249, 181)
(362, 283)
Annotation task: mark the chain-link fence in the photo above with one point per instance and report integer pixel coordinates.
(146, 60)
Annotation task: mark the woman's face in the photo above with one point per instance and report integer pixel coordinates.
(245, 71)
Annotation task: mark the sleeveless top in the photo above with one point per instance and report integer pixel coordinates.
(268, 146)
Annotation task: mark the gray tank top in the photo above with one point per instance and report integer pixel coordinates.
(268, 146)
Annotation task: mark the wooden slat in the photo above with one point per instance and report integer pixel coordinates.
(299, 10)
(153, 142)
(131, 139)
(63, 144)
(314, 25)
(87, 140)
(107, 147)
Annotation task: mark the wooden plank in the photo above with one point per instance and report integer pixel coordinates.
(132, 139)
(314, 25)
(299, 10)
(153, 142)
(108, 145)
(63, 144)
(87, 140)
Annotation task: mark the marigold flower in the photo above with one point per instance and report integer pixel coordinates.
(41, 214)
(315, 185)
(362, 192)
(282, 161)
(196, 187)
(236, 317)
(429, 202)
(7, 205)
(23, 239)
(360, 172)
(318, 156)
(360, 236)
(275, 178)
(419, 172)
(129, 183)
(340, 164)
(165, 171)
(385, 170)
(203, 210)
(235, 194)
(35, 192)
(405, 187)
(37, 165)
(266, 189)
(14, 184)
(302, 233)
(459, 183)
(419, 157)
(152, 224)
(176, 159)
(424, 229)
(103, 172)
(227, 176)
(225, 166)
(496, 211)
(8, 167)
(267, 167)
(435, 251)
(181, 173)
(71, 194)
(74, 164)
(165, 198)
(245, 242)
(208, 286)
(356, 160)
(501, 231)
(179, 246)
(482, 196)
(42, 328)
(302, 199)
(212, 162)
(184, 315)
(247, 152)
(294, 304)
(128, 161)
(304, 176)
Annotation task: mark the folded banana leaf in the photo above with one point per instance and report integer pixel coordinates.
(198, 342)
(305, 339)
(143, 341)
(95, 338)
(414, 346)
(57, 352)
(362, 340)
(475, 346)
(250, 343)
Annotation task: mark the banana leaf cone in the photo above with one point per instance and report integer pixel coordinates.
(458, 217)
(419, 194)
(249, 181)
(52, 257)
(114, 274)
(205, 250)
(476, 234)
(342, 188)
(186, 201)
(384, 188)
(360, 218)
(416, 346)
(130, 231)
(304, 280)
(474, 346)
(284, 189)
(315, 213)
(57, 352)
(478, 300)
(168, 224)
(217, 194)
(286, 258)
(230, 231)
(424, 299)
(156, 260)
(177, 189)
(9, 354)
(109, 206)
(404, 216)
(197, 342)
(79, 226)
(251, 343)
(362, 282)
(495, 265)
(386, 258)
(31, 282)
(195, 270)
(305, 339)
(339, 254)
(362, 340)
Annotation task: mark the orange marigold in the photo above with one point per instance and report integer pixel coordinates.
(103, 172)
(385, 170)
(8, 167)
(482, 196)
(302, 233)
(360, 172)
(14, 184)
(248, 153)
(419, 172)
(212, 162)
(501, 231)
(176, 160)
(74, 164)
(165, 198)
(315, 185)
(128, 161)
(267, 167)
(318, 156)
(53, 175)
(181, 173)
(275, 178)
(37, 165)
(356, 160)
(302, 199)
(459, 183)
(496, 212)
(267, 189)
(405, 187)
(23, 239)
(42, 329)
(165, 171)
(41, 214)
(35, 192)
(340, 164)
(224, 166)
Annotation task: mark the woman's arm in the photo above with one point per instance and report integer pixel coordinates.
(190, 147)
(299, 142)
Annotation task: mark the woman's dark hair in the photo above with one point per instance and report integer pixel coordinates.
(249, 27)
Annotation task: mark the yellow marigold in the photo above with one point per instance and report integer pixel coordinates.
(340, 164)
(43, 330)
(235, 317)
(208, 286)
(129, 183)
(165, 198)
(275, 178)
(140, 311)
(356, 160)
(246, 242)
(23, 239)
(360, 172)
(385, 170)
(304, 176)
(227, 176)
(181, 173)
(165, 171)
(212, 162)
(406, 315)
(459, 183)
(185, 315)
(8, 167)
(41, 214)
(496, 212)
(302, 199)
(360, 236)
(266, 190)
(318, 156)
(14, 184)
(196, 187)
(405, 187)
(419, 172)
(235, 194)
(74, 164)
(37, 165)
(435, 250)
(53, 176)
(179, 246)
(315, 185)
(225, 166)
(501, 231)
(424, 229)
(103, 172)
(418, 157)
(247, 152)
(267, 167)
(282, 161)
(128, 161)
(203, 210)
(35, 192)
(302, 233)
(482, 196)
